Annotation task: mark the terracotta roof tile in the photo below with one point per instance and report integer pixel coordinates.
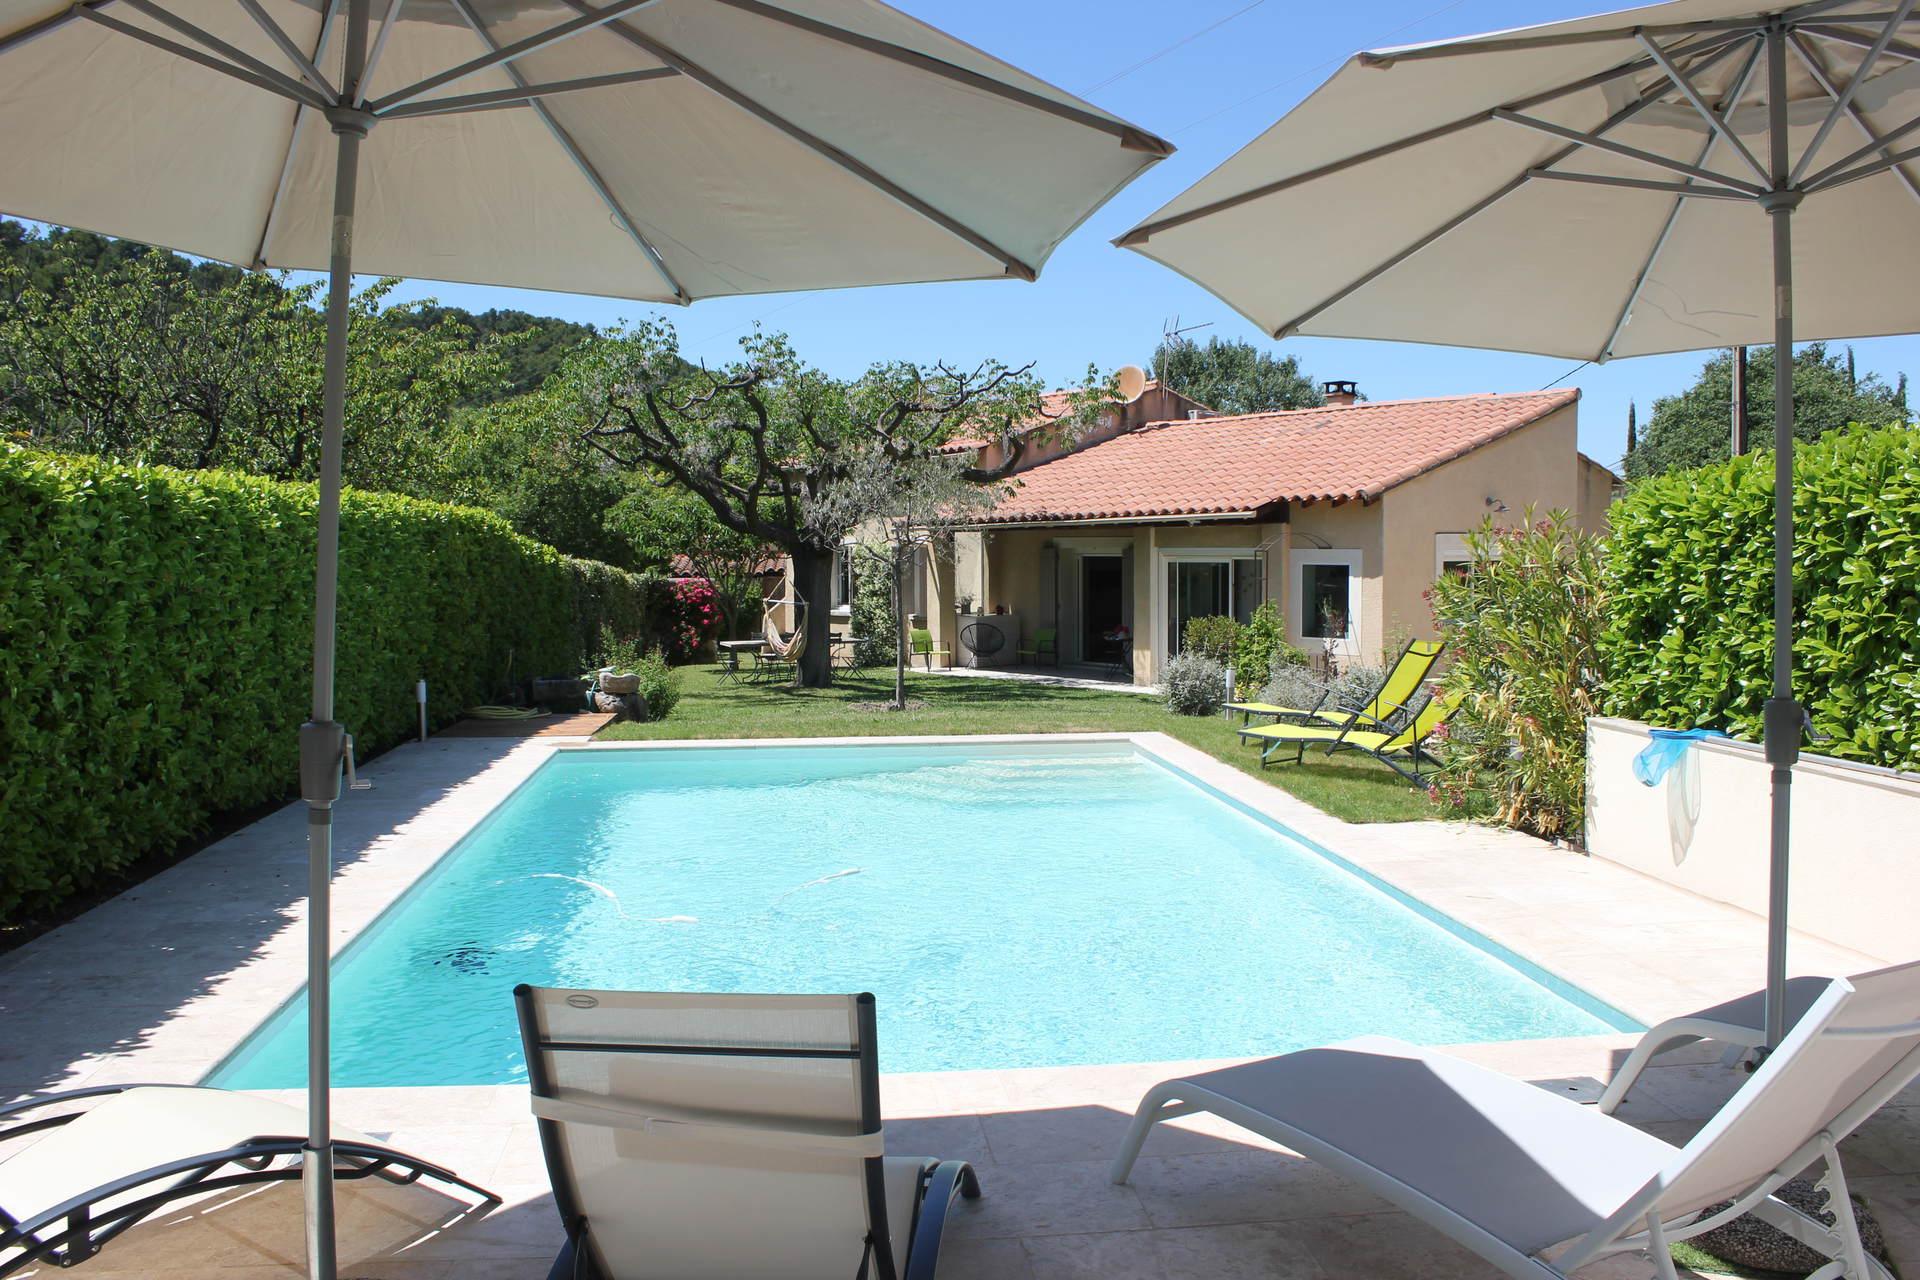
(1235, 465)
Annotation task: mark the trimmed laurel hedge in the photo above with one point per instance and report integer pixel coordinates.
(156, 632)
(1690, 569)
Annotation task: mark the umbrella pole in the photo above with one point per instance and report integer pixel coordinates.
(1783, 719)
(324, 745)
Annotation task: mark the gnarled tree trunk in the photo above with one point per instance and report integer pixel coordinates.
(813, 575)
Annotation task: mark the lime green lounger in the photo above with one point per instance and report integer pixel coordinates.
(1395, 692)
(1381, 745)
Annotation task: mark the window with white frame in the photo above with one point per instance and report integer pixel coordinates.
(1450, 554)
(843, 579)
(1326, 595)
(916, 584)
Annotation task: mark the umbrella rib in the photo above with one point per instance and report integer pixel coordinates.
(1862, 40)
(327, 14)
(387, 23)
(1641, 184)
(503, 54)
(233, 54)
(1379, 269)
(1622, 149)
(1809, 56)
(1845, 97)
(1146, 230)
(579, 158)
(1130, 138)
(1741, 82)
(820, 146)
(1715, 120)
(47, 25)
(1509, 44)
(276, 33)
(1875, 142)
(522, 94)
(276, 84)
(1893, 161)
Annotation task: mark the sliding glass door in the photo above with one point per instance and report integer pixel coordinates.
(1204, 588)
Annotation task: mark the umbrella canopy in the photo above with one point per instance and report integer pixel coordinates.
(1446, 192)
(661, 150)
(1637, 182)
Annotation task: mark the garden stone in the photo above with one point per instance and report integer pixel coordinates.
(1749, 1242)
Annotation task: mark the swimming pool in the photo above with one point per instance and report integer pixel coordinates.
(1009, 905)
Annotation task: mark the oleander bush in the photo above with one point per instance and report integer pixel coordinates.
(1522, 630)
(156, 646)
(1690, 567)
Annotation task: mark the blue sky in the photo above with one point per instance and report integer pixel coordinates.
(1209, 92)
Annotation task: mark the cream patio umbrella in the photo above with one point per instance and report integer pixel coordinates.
(1646, 181)
(659, 150)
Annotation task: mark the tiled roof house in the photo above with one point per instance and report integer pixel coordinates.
(1343, 514)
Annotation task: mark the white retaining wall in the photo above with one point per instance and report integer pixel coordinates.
(1856, 834)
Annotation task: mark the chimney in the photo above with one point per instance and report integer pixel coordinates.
(1339, 392)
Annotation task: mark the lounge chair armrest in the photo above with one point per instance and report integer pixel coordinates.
(70, 1095)
(949, 1181)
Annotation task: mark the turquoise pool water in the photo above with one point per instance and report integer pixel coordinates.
(1009, 906)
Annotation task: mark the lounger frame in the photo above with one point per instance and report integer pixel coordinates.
(1636, 1225)
(941, 1182)
(88, 1227)
(1412, 750)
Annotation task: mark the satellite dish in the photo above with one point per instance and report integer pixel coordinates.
(1132, 380)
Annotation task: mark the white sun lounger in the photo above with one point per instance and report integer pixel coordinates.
(108, 1157)
(1739, 1024)
(1511, 1171)
(738, 1136)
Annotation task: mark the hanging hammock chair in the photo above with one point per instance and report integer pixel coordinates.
(789, 648)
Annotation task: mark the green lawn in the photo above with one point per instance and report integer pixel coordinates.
(1349, 786)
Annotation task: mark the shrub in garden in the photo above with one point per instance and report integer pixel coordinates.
(694, 618)
(1301, 685)
(1211, 637)
(156, 632)
(1689, 637)
(659, 684)
(1522, 629)
(1195, 684)
(1259, 646)
(872, 616)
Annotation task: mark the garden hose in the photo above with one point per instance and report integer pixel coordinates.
(504, 713)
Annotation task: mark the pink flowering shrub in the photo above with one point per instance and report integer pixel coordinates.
(693, 616)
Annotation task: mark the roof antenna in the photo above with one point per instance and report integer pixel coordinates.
(1171, 330)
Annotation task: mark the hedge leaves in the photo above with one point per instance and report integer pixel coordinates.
(1690, 633)
(156, 645)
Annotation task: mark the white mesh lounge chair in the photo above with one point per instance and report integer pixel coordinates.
(108, 1157)
(1739, 1024)
(1511, 1171)
(725, 1135)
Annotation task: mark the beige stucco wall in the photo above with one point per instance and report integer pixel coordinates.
(1353, 527)
(1595, 495)
(1537, 466)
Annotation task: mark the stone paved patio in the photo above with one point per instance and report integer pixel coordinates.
(162, 982)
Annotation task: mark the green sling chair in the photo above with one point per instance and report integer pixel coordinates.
(1395, 692)
(1382, 745)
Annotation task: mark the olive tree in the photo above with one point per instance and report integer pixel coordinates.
(769, 442)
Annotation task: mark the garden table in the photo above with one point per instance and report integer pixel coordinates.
(730, 651)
